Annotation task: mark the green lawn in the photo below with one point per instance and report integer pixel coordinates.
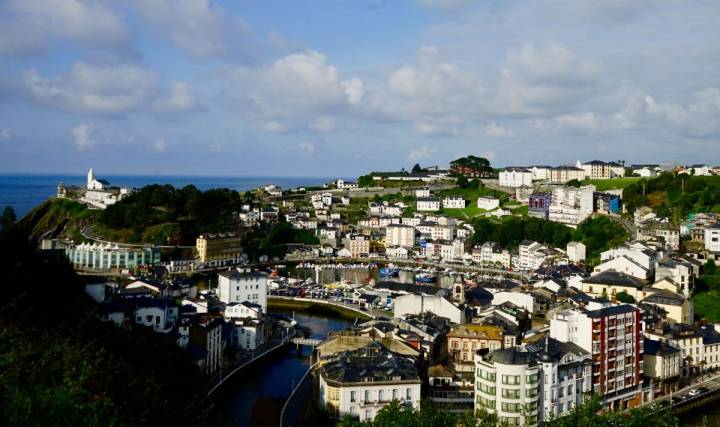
(611, 184)
(471, 211)
(707, 305)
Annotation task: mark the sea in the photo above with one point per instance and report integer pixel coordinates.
(24, 192)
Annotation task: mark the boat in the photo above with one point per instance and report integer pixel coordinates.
(425, 278)
(389, 271)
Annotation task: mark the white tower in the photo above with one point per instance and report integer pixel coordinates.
(90, 179)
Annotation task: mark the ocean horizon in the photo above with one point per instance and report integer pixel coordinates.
(25, 191)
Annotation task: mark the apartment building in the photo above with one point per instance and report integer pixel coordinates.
(612, 334)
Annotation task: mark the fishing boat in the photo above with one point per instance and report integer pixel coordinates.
(389, 271)
(424, 278)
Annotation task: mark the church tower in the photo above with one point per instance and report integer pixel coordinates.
(90, 179)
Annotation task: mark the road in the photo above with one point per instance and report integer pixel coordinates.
(682, 397)
(89, 234)
(628, 225)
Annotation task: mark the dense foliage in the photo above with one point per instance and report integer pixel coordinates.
(365, 181)
(61, 366)
(597, 233)
(707, 293)
(196, 211)
(430, 415)
(588, 414)
(471, 166)
(511, 232)
(674, 195)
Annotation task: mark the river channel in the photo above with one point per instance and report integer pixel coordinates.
(254, 397)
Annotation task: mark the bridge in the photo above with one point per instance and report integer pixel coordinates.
(306, 341)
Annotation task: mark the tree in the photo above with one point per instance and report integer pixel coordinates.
(365, 181)
(471, 166)
(7, 218)
(416, 168)
(429, 415)
(574, 183)
(591, 413)
(624, 297)
(462, 182)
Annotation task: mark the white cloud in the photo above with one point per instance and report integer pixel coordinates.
(579, 121)
(4, 134)
(198, 27)
(180, 99)
(295, 91)
(496, 131)
(30, 26)
(307, 148)
(323, 124)
(83, 136)
(354, 90)
(107, 90)
(94, 89)
(160, 145)
(697, 119)
(417, 154)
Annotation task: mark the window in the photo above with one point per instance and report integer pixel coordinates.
(367, 395)
(381, 395)
(531, 379)
(353, 396)
(511, 407)
(396, 394)
(368, 414)
(511, 379)
(408, 394)
(510, 393)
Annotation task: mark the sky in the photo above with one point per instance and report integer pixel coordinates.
(344, 87)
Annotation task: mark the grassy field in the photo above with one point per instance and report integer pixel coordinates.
(611, 184)
(707, 305)
(469, 212)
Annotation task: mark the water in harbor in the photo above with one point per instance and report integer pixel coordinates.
(696, 417)
(254, 397)
(364, 275)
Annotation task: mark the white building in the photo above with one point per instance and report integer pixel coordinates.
(400, 235)
(100, 194)
(453, 202)
(156, 314)
(712, 238)
(418, 304)
(571, 205)
(359, 383)
(576, 252)
(100, 257)
(237, 286)
(540, 173)
(531, 255)
(520, 299)
(397, 252)
(507, 384)
(428, 204)
(423, 192)
(515, 177)
(248, 333)
(565, 379)
(488, 203)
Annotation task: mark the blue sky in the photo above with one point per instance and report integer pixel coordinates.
(342, 87)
